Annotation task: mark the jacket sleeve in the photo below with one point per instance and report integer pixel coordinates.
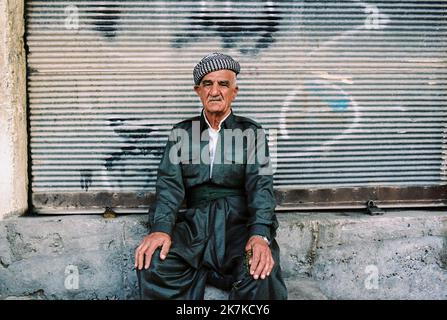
(170, 190)
(259, 188)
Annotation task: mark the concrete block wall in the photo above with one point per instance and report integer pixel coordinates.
(400, 255)
(36, 255)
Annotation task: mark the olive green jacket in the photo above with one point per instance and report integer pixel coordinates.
(236, 169)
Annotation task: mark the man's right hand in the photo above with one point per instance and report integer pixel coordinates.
(150, 243)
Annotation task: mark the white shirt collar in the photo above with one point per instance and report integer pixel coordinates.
(220, 123)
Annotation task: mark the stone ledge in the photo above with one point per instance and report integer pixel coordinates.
(299, 288)
(321, 253)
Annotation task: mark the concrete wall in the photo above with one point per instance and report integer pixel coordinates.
(400, 255)
(13, 133)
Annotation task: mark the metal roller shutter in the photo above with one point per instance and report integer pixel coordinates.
(353, 95)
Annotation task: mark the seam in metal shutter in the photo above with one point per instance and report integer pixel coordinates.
(352, 93)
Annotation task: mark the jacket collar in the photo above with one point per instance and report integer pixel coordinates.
(228, 123)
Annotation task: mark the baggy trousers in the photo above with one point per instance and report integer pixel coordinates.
(208, 247)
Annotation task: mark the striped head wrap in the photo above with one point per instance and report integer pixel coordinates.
(213, 62)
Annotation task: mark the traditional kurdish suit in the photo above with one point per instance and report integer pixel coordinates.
(223, 210)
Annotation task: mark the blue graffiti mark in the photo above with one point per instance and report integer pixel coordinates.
(338, 101)
(338, 105)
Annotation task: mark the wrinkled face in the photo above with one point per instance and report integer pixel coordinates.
(217, 90)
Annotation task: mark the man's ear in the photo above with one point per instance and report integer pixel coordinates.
(196, 89)
(236, 90)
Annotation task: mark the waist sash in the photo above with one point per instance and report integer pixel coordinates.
(205, 193)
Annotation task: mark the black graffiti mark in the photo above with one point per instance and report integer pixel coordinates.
(131, 129)
(105, 20)
(129, 151)
(135, 135)
(234, 27)
(86, 178)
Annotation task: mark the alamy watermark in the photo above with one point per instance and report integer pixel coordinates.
(375, 19)
(248, 147)
(71, 277)
(71, 21)
(372, 280)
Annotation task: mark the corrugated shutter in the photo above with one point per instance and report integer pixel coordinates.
(353, 93)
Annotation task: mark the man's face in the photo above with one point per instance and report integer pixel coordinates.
(217, 90)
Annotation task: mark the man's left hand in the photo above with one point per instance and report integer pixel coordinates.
(261, 261)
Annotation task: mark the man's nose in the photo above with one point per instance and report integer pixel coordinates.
(215, 90)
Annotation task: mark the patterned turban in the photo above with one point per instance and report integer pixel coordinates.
(213, 62)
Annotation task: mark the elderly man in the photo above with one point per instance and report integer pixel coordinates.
(226, 237)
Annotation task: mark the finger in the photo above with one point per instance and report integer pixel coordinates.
(148, 255)
(260, 266)
(254, 261)
(137, 250)
(165, 249)
(140, 255)
(140, 258)
(267, 267)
